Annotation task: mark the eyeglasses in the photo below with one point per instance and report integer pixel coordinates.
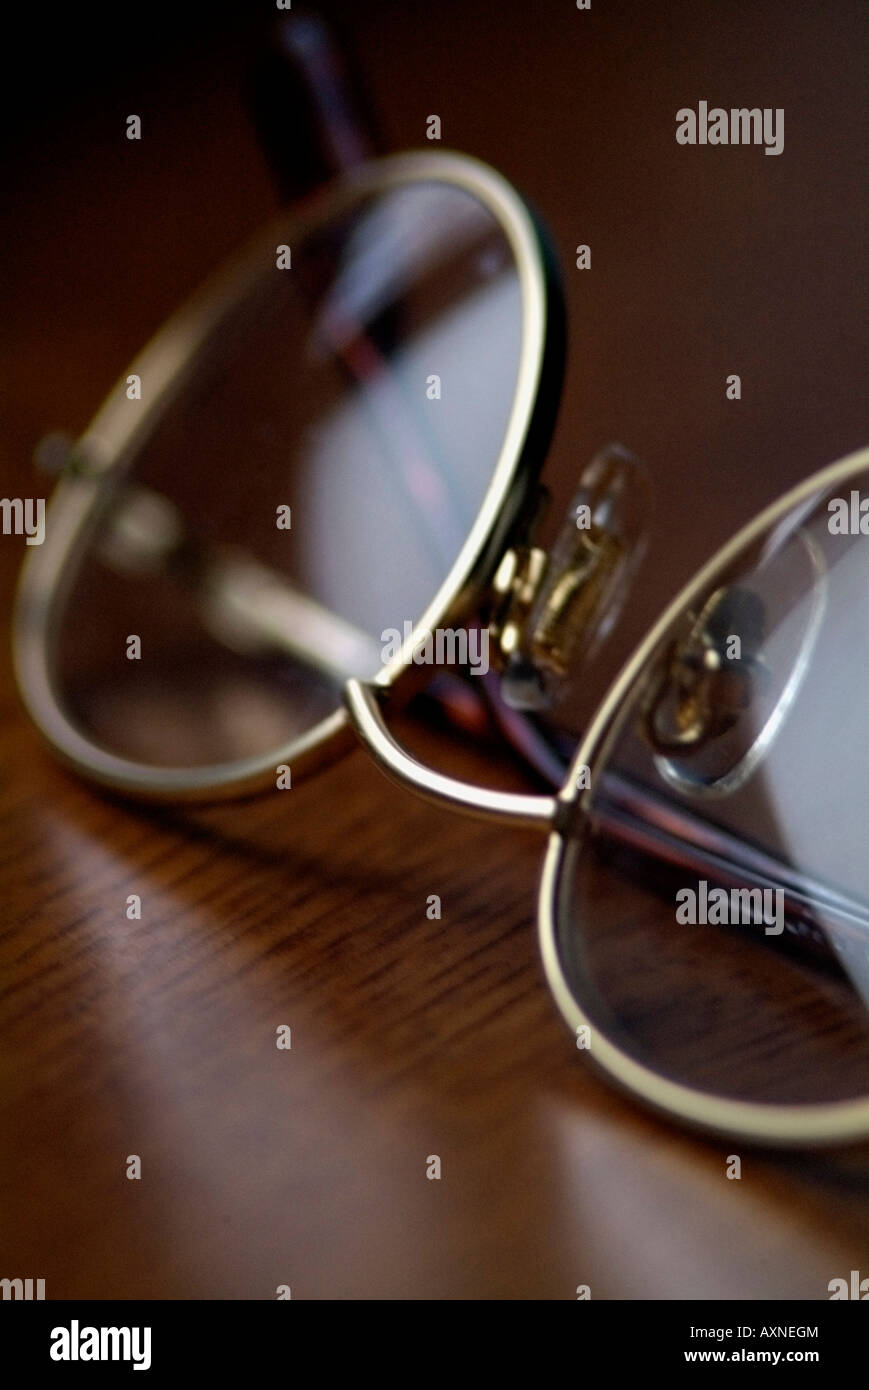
(322, 477)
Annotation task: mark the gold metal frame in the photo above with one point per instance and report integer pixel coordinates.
(110, 446)
(116, 433)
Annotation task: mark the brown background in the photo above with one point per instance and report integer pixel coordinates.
(410, 1037)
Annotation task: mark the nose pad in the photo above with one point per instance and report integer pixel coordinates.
(555, 609)
(712, 676)
(723, 683)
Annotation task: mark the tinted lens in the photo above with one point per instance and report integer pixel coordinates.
(714, 920)
(309, 486)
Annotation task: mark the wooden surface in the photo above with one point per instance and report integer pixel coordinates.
(410, 1037)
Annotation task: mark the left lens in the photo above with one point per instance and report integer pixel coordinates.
(307, 488)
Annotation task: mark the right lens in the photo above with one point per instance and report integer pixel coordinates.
(714, 915)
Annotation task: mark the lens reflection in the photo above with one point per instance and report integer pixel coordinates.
(309, 486)
(716, 926)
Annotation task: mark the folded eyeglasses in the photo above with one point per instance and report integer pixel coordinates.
(340, 438)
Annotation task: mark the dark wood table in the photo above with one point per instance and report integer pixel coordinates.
(410, 1037)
